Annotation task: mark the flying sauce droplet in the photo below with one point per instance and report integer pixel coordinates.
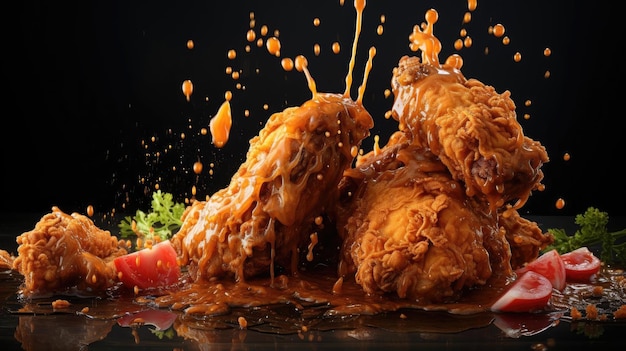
(187, 89)
(336, 47)
(498, 30)
(220, 125)
(273, 46)
(425, 41)
(197, 167)
(359, 5)
(301, 66)
(287, 64)
(560, 203)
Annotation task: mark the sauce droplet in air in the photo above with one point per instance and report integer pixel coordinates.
(301, 66)
(187, 89)
(197, 167)
(220, 124)
(273, 46)
(498, 30)
(560, 203)
(425, 41)
(190, 44)
(287, 64)
(359, 5)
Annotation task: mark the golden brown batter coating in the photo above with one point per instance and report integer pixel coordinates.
(66, 254)
(409, 228)
(524, 236)
(289, 178)
(471, 128)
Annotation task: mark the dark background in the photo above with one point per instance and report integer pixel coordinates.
(89, 84)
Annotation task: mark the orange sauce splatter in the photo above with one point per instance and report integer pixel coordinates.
(424, 40)
(471, 4)
(467, 18)
(517, 57)
(359, 5)
(273, 46)
(368, 69)
(547, 52)
(190, 44)
(90, 210)
(336, 47)
(287, 64)
(251, 35)
(467, 42)
(560, 203)
(220, 124)
(197, 167)
(498, 30)
(458, 44)
(301, 66)
(566, 156)
(232, 54)
(187, 89)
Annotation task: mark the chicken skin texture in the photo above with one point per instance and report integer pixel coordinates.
(289, 178)
(471, 128)
(409, 228)
(66, 254)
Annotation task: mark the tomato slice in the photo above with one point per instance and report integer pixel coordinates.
(580, 264)
(551, 266)
(147, 268)
(530, 292)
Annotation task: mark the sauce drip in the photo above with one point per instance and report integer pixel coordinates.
(359, 5)
(221, 123)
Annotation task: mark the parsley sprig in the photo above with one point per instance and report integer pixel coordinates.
(592, 231)
(159, 223)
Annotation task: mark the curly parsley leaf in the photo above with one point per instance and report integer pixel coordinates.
(160, 222)
(592, 231)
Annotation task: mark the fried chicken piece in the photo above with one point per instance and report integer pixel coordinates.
(525, 237)
(66, 254)
(409, 228)
(471, 128)
(290, 176)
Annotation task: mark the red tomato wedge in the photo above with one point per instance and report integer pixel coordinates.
(550, 265)
(580, 264)
(530, 292)
(147, 268)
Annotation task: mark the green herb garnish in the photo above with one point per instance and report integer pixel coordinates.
(592, 231)
(161, 222)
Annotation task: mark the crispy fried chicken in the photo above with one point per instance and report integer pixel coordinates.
(471, 128)
(289, 178)
(409, 228)
(66, 254)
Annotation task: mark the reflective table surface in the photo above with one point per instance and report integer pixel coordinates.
(37, 326)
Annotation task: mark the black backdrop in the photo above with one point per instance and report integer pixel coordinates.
(86, 83)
